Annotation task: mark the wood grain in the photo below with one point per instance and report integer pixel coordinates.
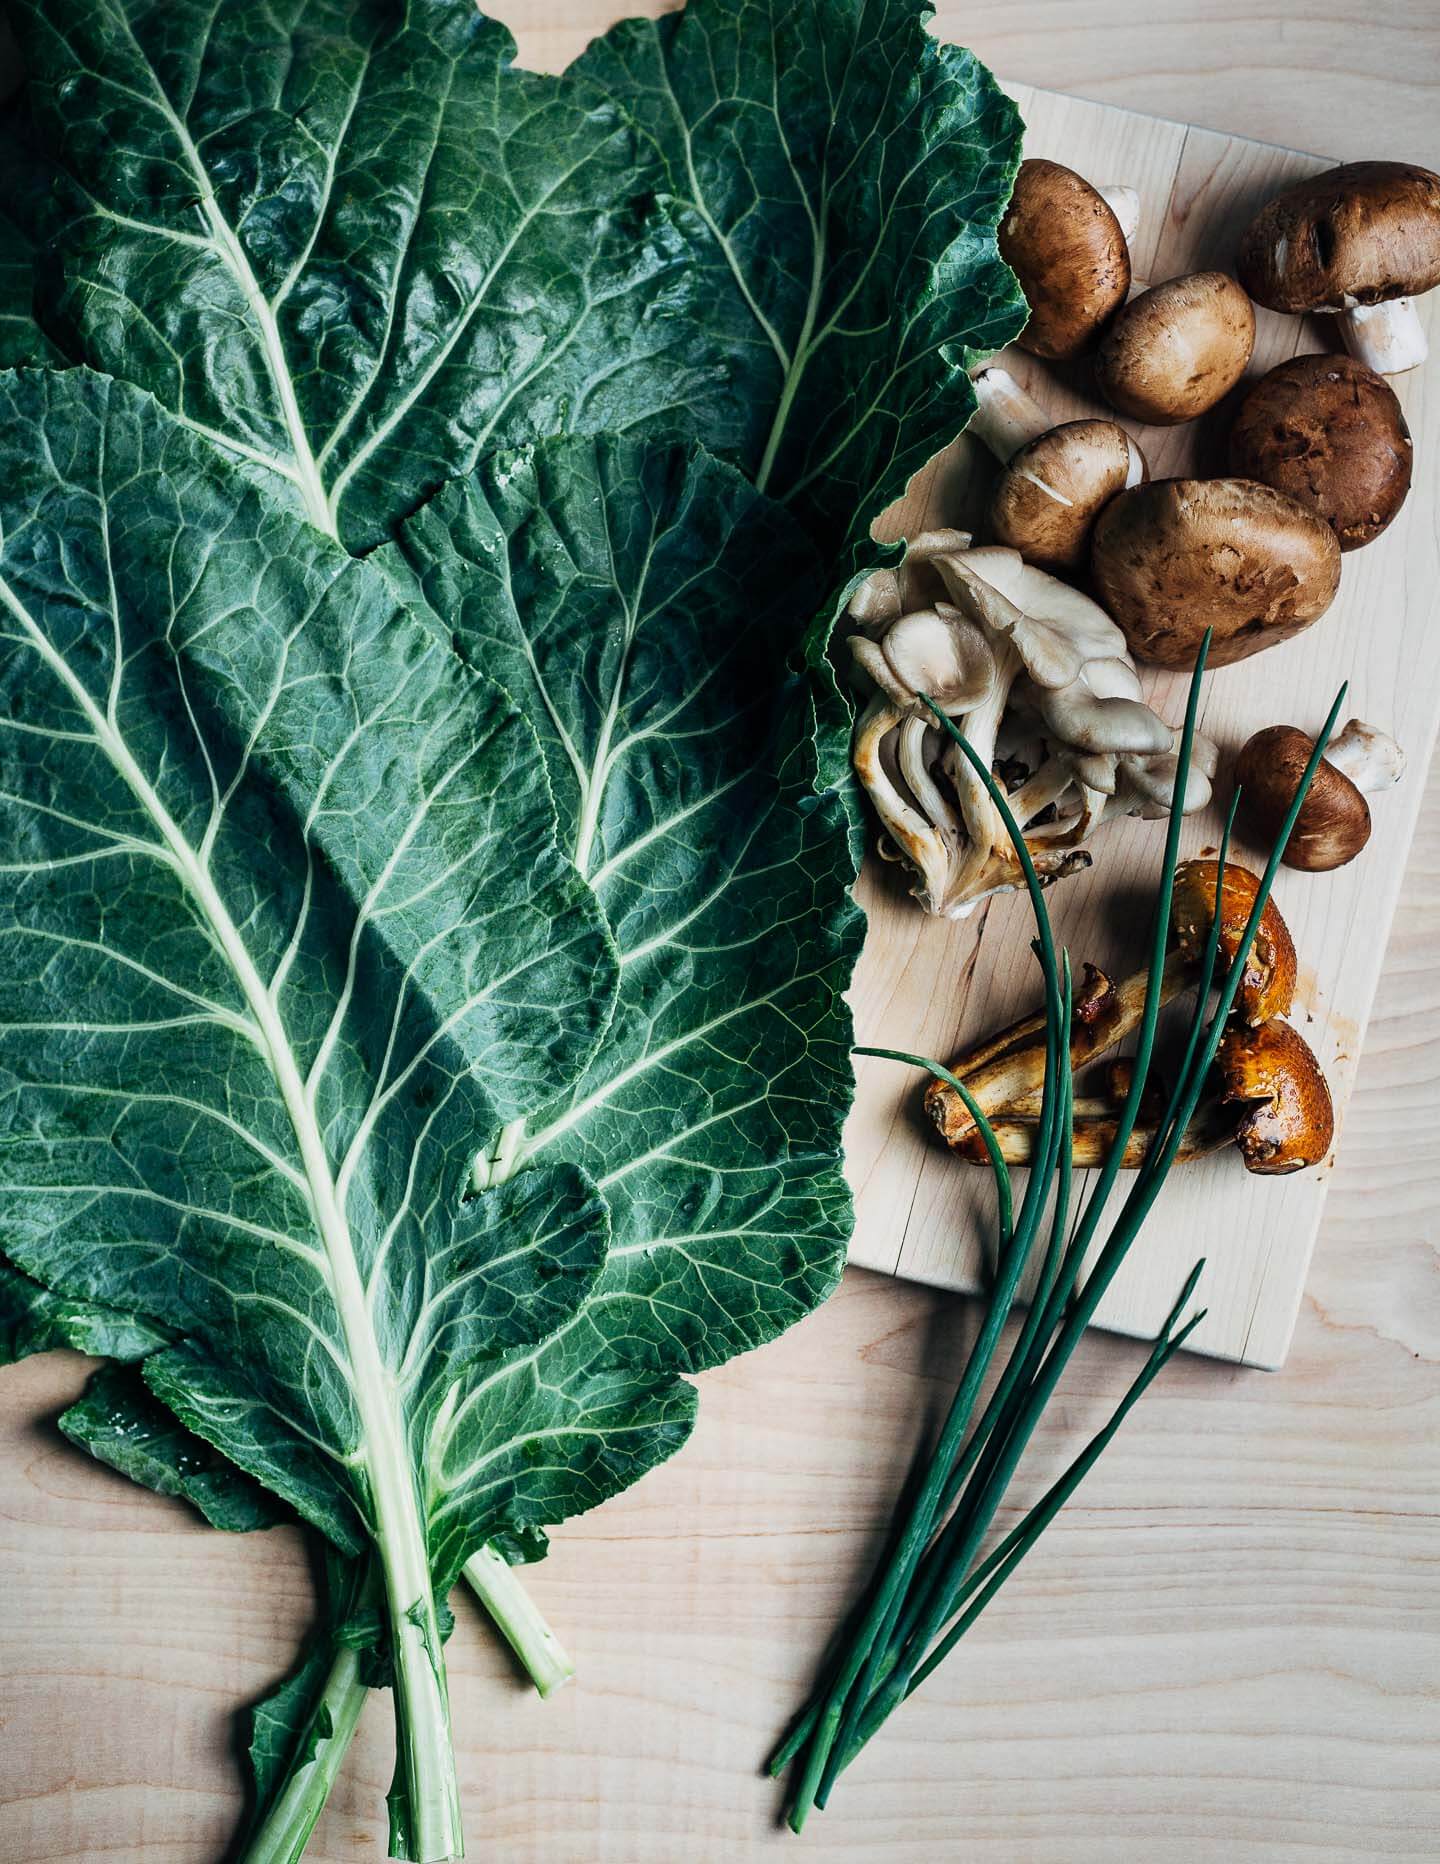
(1225, 1649)
(933, 987)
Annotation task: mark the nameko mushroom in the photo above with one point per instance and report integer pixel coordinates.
(1263, 1066)
(1017, 649)
(1055, 479)
(1360, 241)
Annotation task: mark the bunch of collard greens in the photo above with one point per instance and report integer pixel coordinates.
(425, 890)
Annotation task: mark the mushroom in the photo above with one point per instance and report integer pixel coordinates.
(1330, 432)
(1006, 1071)
(1334, 820)
(1361, 240)
(1177, 556)
(1177, 349)
(1267, 983)
(1261, 1064)
(1054, 480)
(1009, 623)
(1064, 243)
(886, 594)
(1289, 1121)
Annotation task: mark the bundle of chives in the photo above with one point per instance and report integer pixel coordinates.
(932, 1585)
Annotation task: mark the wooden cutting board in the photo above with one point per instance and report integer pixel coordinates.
(929, 985)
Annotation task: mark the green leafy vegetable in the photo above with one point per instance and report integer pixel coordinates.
(848, 173)
(119, 1423)
(357, 246)
(285, 929)
(352, 244)
(352, 252)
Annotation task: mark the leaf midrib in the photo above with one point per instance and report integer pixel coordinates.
(382, 1452)
(226, 245)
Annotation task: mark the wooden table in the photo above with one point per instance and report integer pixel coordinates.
(1227, 1647)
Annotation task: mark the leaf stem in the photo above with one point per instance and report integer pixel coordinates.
(284, 1832)
(518, 1619)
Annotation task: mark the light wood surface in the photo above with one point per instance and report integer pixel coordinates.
(1225, 1649)
(933, 986)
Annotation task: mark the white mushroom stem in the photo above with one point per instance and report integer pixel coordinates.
(913, 757)
(924, 846)
(1007, 418)
(1388, 338)
(1368, 756)
(1124, 203)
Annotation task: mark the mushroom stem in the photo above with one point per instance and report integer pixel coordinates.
(1006, 418)
(1003, 1070)
(1368, 756)
(1211, 1128)
(1124, 203)
(919, 841)
(1388, 338)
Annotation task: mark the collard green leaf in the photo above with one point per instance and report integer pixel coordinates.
(849, 174)
(118, 1421)
(642, 602)
(356, 244)
(285, 929)
(34, 1319)
(348, 239)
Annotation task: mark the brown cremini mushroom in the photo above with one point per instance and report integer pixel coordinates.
(1177, 556)
(1334, 820)
(1329, 432)
(1054, 480)
(1361, 240)
(1289, 1122)
(1064, 243)
(1177, 349)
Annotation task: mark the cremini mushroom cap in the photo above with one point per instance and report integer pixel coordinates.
(1334, 820)
(1177, 349)
(1330, 432)
(1360, 234)
(1065, 245)
(1177, 556)
(1290, 1121)
(1048, 496)
(1267, 984)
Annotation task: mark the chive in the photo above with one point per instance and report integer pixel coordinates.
(932, 1576)
(1004, 1184)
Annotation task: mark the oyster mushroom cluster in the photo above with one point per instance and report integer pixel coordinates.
(1038, 679)
(1268, 1096)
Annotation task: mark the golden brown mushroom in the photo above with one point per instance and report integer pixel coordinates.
(1289, 1122)
(1267, 984)
(1006, 1071)
(1177, 556)
(1177, 349)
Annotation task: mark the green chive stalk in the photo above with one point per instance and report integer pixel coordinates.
(933, 1585)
